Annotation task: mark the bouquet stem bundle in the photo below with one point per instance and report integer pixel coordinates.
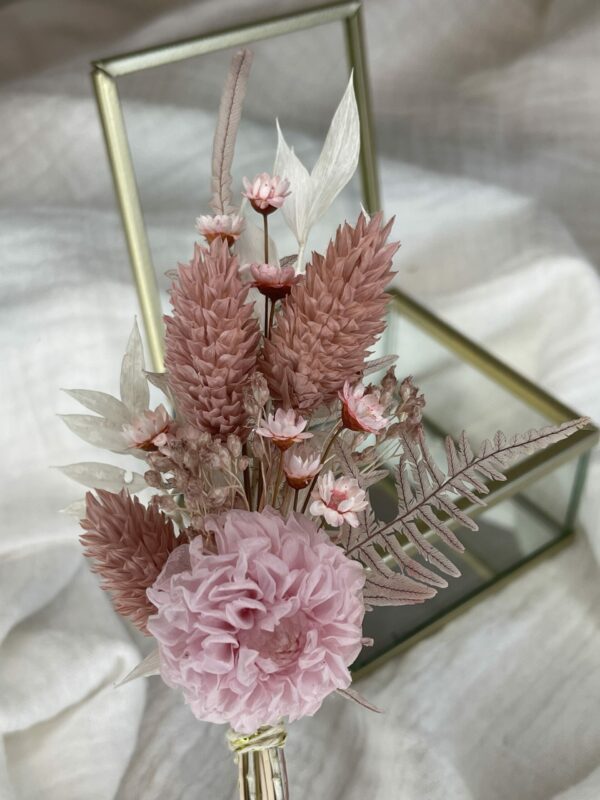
(261, 763)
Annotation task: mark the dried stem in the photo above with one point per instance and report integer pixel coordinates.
(277, 480)
(266, 237)
(271, 317)
(330, 442)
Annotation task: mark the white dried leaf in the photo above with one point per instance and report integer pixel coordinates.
(312, 194)
(356, 697)
(104, 404)
(158, 379)
(97, 431)
(297, 205)
(149, 666)
(75, 509)
(134, 386)
(339, 156)
(104, 476)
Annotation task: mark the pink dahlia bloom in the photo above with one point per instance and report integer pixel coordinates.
(273, 281)
(266, 193)
(338, 500)
(263, 629)
(361, 410)
(221, 226)
(300, 467)
(284, 428)
(149, 430)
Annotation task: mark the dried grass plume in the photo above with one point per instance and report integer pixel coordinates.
(130, 545)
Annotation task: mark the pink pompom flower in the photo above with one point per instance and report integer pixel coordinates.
(284, 428)
(149, 430)
(265, 628)
(361, 410)
(338, 500)
(300, 467)
(221, 226)
(273, 281)
(266, 193)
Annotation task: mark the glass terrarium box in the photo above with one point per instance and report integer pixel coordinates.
(526, 517)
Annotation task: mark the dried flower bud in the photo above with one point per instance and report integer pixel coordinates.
(219, 495)
(234, 445)
(410, 410)
(260, 388)
(166, 503)
(153, 478)
(389, 381)
(243, 463)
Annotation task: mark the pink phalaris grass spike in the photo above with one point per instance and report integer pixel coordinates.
(211, 342)
(130, 545)
(330, 320)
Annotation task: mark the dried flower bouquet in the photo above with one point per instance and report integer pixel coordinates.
(258, 552)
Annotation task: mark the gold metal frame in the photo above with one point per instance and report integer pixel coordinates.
(105, 73)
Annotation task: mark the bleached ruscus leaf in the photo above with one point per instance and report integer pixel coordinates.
(313, 193)
(134, 386)
(98, 431)
(104, 476)
(101, 403)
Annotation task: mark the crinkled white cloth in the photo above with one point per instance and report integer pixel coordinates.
(488, 123)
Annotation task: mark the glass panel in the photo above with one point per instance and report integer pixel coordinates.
(519, 528)
(171, 111)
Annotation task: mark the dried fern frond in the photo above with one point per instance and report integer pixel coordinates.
(424, 492)
(230, 112)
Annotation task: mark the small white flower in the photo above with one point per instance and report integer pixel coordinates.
(284, 428)
(266, 193)
(300, 467)
(149, 430)
(221, 226)
(338, 500)
(360, 411)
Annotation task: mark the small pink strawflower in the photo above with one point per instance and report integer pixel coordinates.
(273, 281)
(300, 467)
(264, 628)
(284, 428)
(221, 226)
(266, 193)
(338, 500)
(149, 430)
(360, 411)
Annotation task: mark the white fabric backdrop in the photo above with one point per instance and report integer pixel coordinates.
(488, 127)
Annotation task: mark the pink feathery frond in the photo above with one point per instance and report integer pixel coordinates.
(330, 320)
(130, 545)
(230, 112)
(211, 342)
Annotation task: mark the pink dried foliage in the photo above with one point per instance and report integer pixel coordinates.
(264, 629)
(211, 342)
(331, 319)
(130, 545)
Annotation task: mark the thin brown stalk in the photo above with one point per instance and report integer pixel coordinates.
(266, 237)
(278, 478)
